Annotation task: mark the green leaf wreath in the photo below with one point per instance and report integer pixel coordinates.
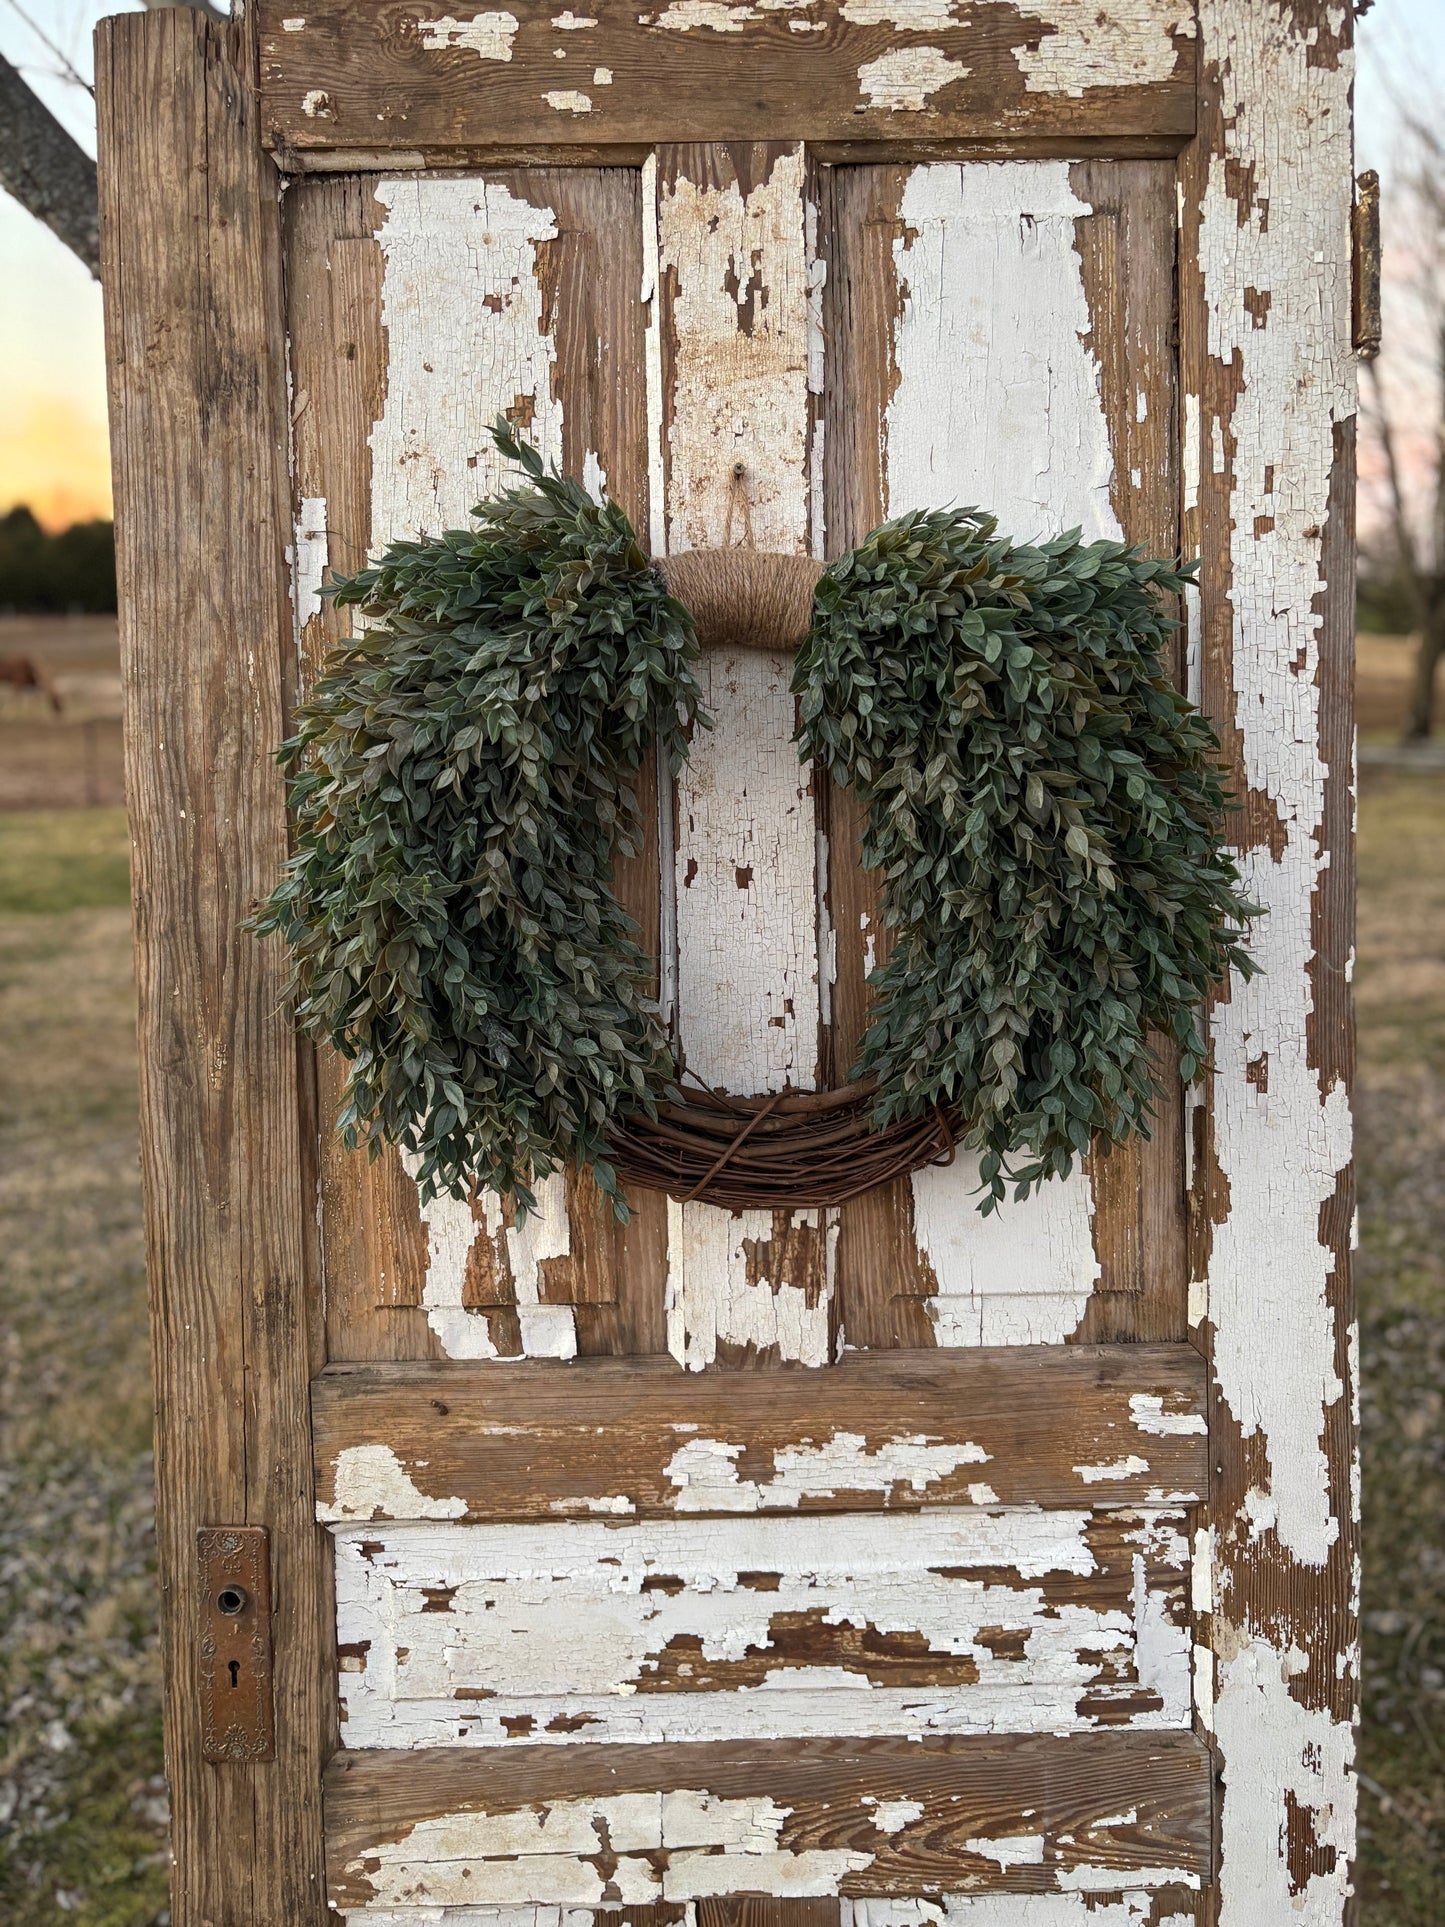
(1044, 809)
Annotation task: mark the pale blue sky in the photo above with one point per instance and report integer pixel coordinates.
(52, 406)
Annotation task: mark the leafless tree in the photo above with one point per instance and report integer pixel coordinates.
(46, 170)
(1404, 408)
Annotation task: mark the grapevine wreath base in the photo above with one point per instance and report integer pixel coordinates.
(1041, 806)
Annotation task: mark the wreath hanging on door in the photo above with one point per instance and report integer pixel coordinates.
(1042, 807)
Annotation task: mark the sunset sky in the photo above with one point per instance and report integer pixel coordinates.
(53, 447)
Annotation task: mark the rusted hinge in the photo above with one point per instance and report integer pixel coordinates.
(1366, 251)
(238, 1720)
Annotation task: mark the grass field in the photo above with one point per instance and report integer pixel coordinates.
(82, 1807)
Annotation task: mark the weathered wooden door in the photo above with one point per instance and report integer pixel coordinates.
(889, 1561)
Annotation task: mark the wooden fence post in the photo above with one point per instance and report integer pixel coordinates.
(195, 349)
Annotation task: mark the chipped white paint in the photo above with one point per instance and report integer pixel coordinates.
(1147, 1411)
(601, 76)
(1116, 1469)
(1281, 1150)
(466, 332)
(911, 16)
(294, 23)
(581, 1632)
(1132, 1909)
(372, 1482)
(712, 1845)
(1087, 45)
(747, 949)
(892, 1816)
(463, 313)
(744, 900)
(711, 1302)
(1021, 1276)
(706, 1474)
(747, 946)
(903, 80)
(1010, 1850)
(998, 401)
(488, 35)
(570, 22)
(316, 103)
(1285, 110)
(310, 554)
(567, 100)
(682, 16)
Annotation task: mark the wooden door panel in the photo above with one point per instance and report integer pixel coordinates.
(420, 310)
(1002, 334)
(603, 1631)
(585, 1826)
(1075, 1427)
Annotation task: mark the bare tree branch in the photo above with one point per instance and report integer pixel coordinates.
(46, 170)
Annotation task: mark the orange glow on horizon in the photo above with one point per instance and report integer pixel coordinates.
(55, 459)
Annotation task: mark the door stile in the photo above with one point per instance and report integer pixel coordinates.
(195, 351)
(1267, 501)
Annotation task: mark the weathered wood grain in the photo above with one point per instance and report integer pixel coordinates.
(1002, 335)
(589, 1824)
(732, 337)
(196, 368)
(1044, 1425)
(601, 1631)
(1267, 483)
(381, 74)
(533, 280)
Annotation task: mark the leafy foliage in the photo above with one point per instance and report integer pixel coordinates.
(460, 781)
(1044, 808)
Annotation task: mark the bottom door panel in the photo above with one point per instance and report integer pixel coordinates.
(593, 1826)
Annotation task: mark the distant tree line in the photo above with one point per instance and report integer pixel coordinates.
(72, 572)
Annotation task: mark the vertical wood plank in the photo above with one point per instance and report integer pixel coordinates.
(733, 336)
(1004, 336)
(196, 367)
(1269, 406)
(1126, 251)
(419, 311)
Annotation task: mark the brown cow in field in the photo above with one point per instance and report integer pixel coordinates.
(19, 672)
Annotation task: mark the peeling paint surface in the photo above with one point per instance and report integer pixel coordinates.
(488, 35)
(713, 1846)
(946, 1622)
(371, 1482)
(735, 425)
(310, 555)
(902, 81)
(1274, 263)
(453, 1230)
(467, 338)
(706, 1471)
(735, 1281)
(1086, 45)
(998, 401)
(463, 311)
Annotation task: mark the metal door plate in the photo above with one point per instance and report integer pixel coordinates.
(238, 1721)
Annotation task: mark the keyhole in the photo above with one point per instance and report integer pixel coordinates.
(235, 1666)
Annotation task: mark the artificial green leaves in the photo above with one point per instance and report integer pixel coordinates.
(460, 780)
(1042, 805)
(1044, 808)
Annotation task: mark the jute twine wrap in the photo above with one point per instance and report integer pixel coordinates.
(790, 1150)
(743, 598)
